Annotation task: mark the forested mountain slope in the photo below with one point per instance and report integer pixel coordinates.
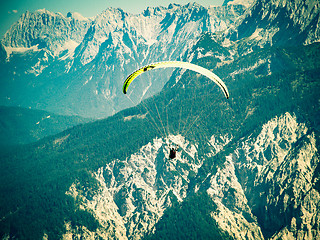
(21, 126)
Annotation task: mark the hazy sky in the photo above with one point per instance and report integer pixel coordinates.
(11, 10)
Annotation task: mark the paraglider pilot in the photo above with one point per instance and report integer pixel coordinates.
(173, 152)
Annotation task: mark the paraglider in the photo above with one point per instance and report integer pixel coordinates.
(173, 152)
(175, 64)
(179, 64)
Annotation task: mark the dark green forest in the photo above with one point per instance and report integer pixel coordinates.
(35, 177)
(22, 126)
(189, 219)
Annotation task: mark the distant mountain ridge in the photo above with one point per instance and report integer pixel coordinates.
(81, 69)
(73, 65)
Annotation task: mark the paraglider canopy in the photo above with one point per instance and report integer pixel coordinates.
(185, 65)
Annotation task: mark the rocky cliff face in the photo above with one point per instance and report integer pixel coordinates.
(276, 23)
(45, 30)
(134, 192)
(271, 176)
(264, 190)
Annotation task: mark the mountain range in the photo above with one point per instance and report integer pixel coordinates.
(71, 65)
(247, 167)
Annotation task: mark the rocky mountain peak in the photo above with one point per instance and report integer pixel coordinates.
(46, 30)
(76, 16)
(279, 22)
(246, 3)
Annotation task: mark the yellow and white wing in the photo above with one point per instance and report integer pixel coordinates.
(186, 65)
